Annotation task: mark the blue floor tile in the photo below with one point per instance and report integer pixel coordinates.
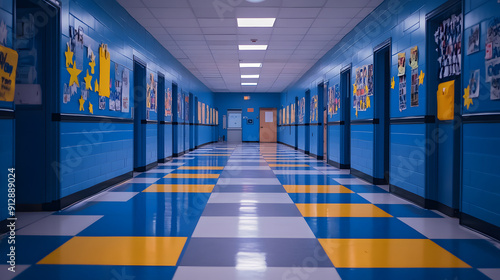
(407, 210)
(327, 198)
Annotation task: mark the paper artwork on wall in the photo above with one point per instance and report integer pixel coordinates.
(402, 93)
(401, 64)
(186, 106)
(363, 87)
(474, 84)
(314, 109)
(414, 87)
(492, 58)
(199, 112)
(8, 66)
(414, 57)
(104, 70)
(203, 113)
(446, 100)
(168, 103)
(102, 102)
(448, 38)
(66, 94)
(302, 109)
(151, 93)
(333, 100)
(474, 38)
(3, 33)
(125, 91)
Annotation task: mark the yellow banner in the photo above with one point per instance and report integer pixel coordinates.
(104, 70)
(8, 66)
(446, 100)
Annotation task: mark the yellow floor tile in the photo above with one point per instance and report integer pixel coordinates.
(201, 168)
(288, 165)
(341, 210)
(191, 188)
(194, 176)
(284, 160)
(316, 189)
(118, 250)
(395, 253)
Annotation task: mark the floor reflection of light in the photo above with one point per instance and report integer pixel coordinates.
(247, 224)
(251, 261)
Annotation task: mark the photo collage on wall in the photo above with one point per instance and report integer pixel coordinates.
(292, 113)
(279, 117)
(363, 88)
(448, 38)
(414, 76)
(186, 107)
(94, 79)
(179, 107)
(333, 100)
(402, 81)
(493, 58)
(302, 109)
(151, 95)
(314, 109)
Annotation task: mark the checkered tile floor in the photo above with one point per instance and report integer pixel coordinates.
(247, 212)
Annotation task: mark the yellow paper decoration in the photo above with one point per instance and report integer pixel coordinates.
(104, 70)
(82, 102)
(91, 108)
(421, 78)
(69, 56)
(8, 73)
(467, 99)
(446, 100)
(393, 83)
(96, 86)
(88, 81)
(368, 103)
(74, 75)
(92, 62)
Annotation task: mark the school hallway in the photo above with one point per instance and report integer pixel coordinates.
(249, 211)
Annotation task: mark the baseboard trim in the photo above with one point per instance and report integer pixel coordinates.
(288, 145)
(147, 167)
(178, 154)
(163, 160)
(316, 156)
(423, 202)
(73, 198)
(338, 164)
(417, 199)
(480, 225)
(3, 226)
(368, 178)
(251, 141)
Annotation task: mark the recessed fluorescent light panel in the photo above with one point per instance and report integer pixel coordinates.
(256, 22)
(249, 65)
(248, 84)
(252, 47)
(250, 76)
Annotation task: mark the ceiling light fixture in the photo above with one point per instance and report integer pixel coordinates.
(250, 76)
(248, 84)
(256, 22)
(250, 65)
(252, 47)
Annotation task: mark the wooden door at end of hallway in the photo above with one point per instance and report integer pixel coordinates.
(268, 125)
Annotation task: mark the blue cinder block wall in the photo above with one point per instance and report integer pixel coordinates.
(404, 22)
(231, 100)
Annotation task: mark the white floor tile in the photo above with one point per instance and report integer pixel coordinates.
(351, 181)
(59, 225)
(7, 275)
(26, 218)
(252, 273)
(493, 273)
(159, 170)
(242, 168)
(114, 196)
(143, 180)
(441, 228)
(297, 172)
(383, 198)
(220, 197)
(248, 181)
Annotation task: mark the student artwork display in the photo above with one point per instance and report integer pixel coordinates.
(203, 113)
(168, 103)
(115, 98)
(279, 116)
(179, 106)
(186, 107)
(363, 88)
(415, 81)
(314, 109)
(474, 84)
(151, 95)
(292, 113)
(199, 112)
(448, 38)
(125, 91)
(217, 117)
(302, 109)
(104, 70)
(8, 66)
(283, 117)
(492, 58)
(3, 33)
(333, 100)
(401, 64)
(474, 37)
(287, 120)
(402, 93)
(207, 114)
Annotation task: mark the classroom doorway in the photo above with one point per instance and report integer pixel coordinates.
(307, 122)
(268, 125)
(36, 98)
(345, 119)
(382, 77)
(234, 128)
(444, 85)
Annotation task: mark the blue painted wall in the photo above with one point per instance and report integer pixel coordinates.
(404, 22)
(110, 153)
(227, 101)
(481, 152)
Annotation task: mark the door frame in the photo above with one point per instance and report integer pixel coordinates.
(275, 113)
(227, 125)
(345, 121)
(307, 121)
(384, 116)
(296, 125)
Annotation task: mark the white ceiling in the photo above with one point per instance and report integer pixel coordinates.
(203, 35)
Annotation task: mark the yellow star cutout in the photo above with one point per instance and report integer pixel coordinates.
(96, 86)
(354, 88)
(74, 75)
(393, 83)
(467, 99)
(368, 103)
(69, 56)
(91, 108)
(356, 111)
(366, 89)
(82, 102)
(88, 81)
(421, 78)
(92, 65)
